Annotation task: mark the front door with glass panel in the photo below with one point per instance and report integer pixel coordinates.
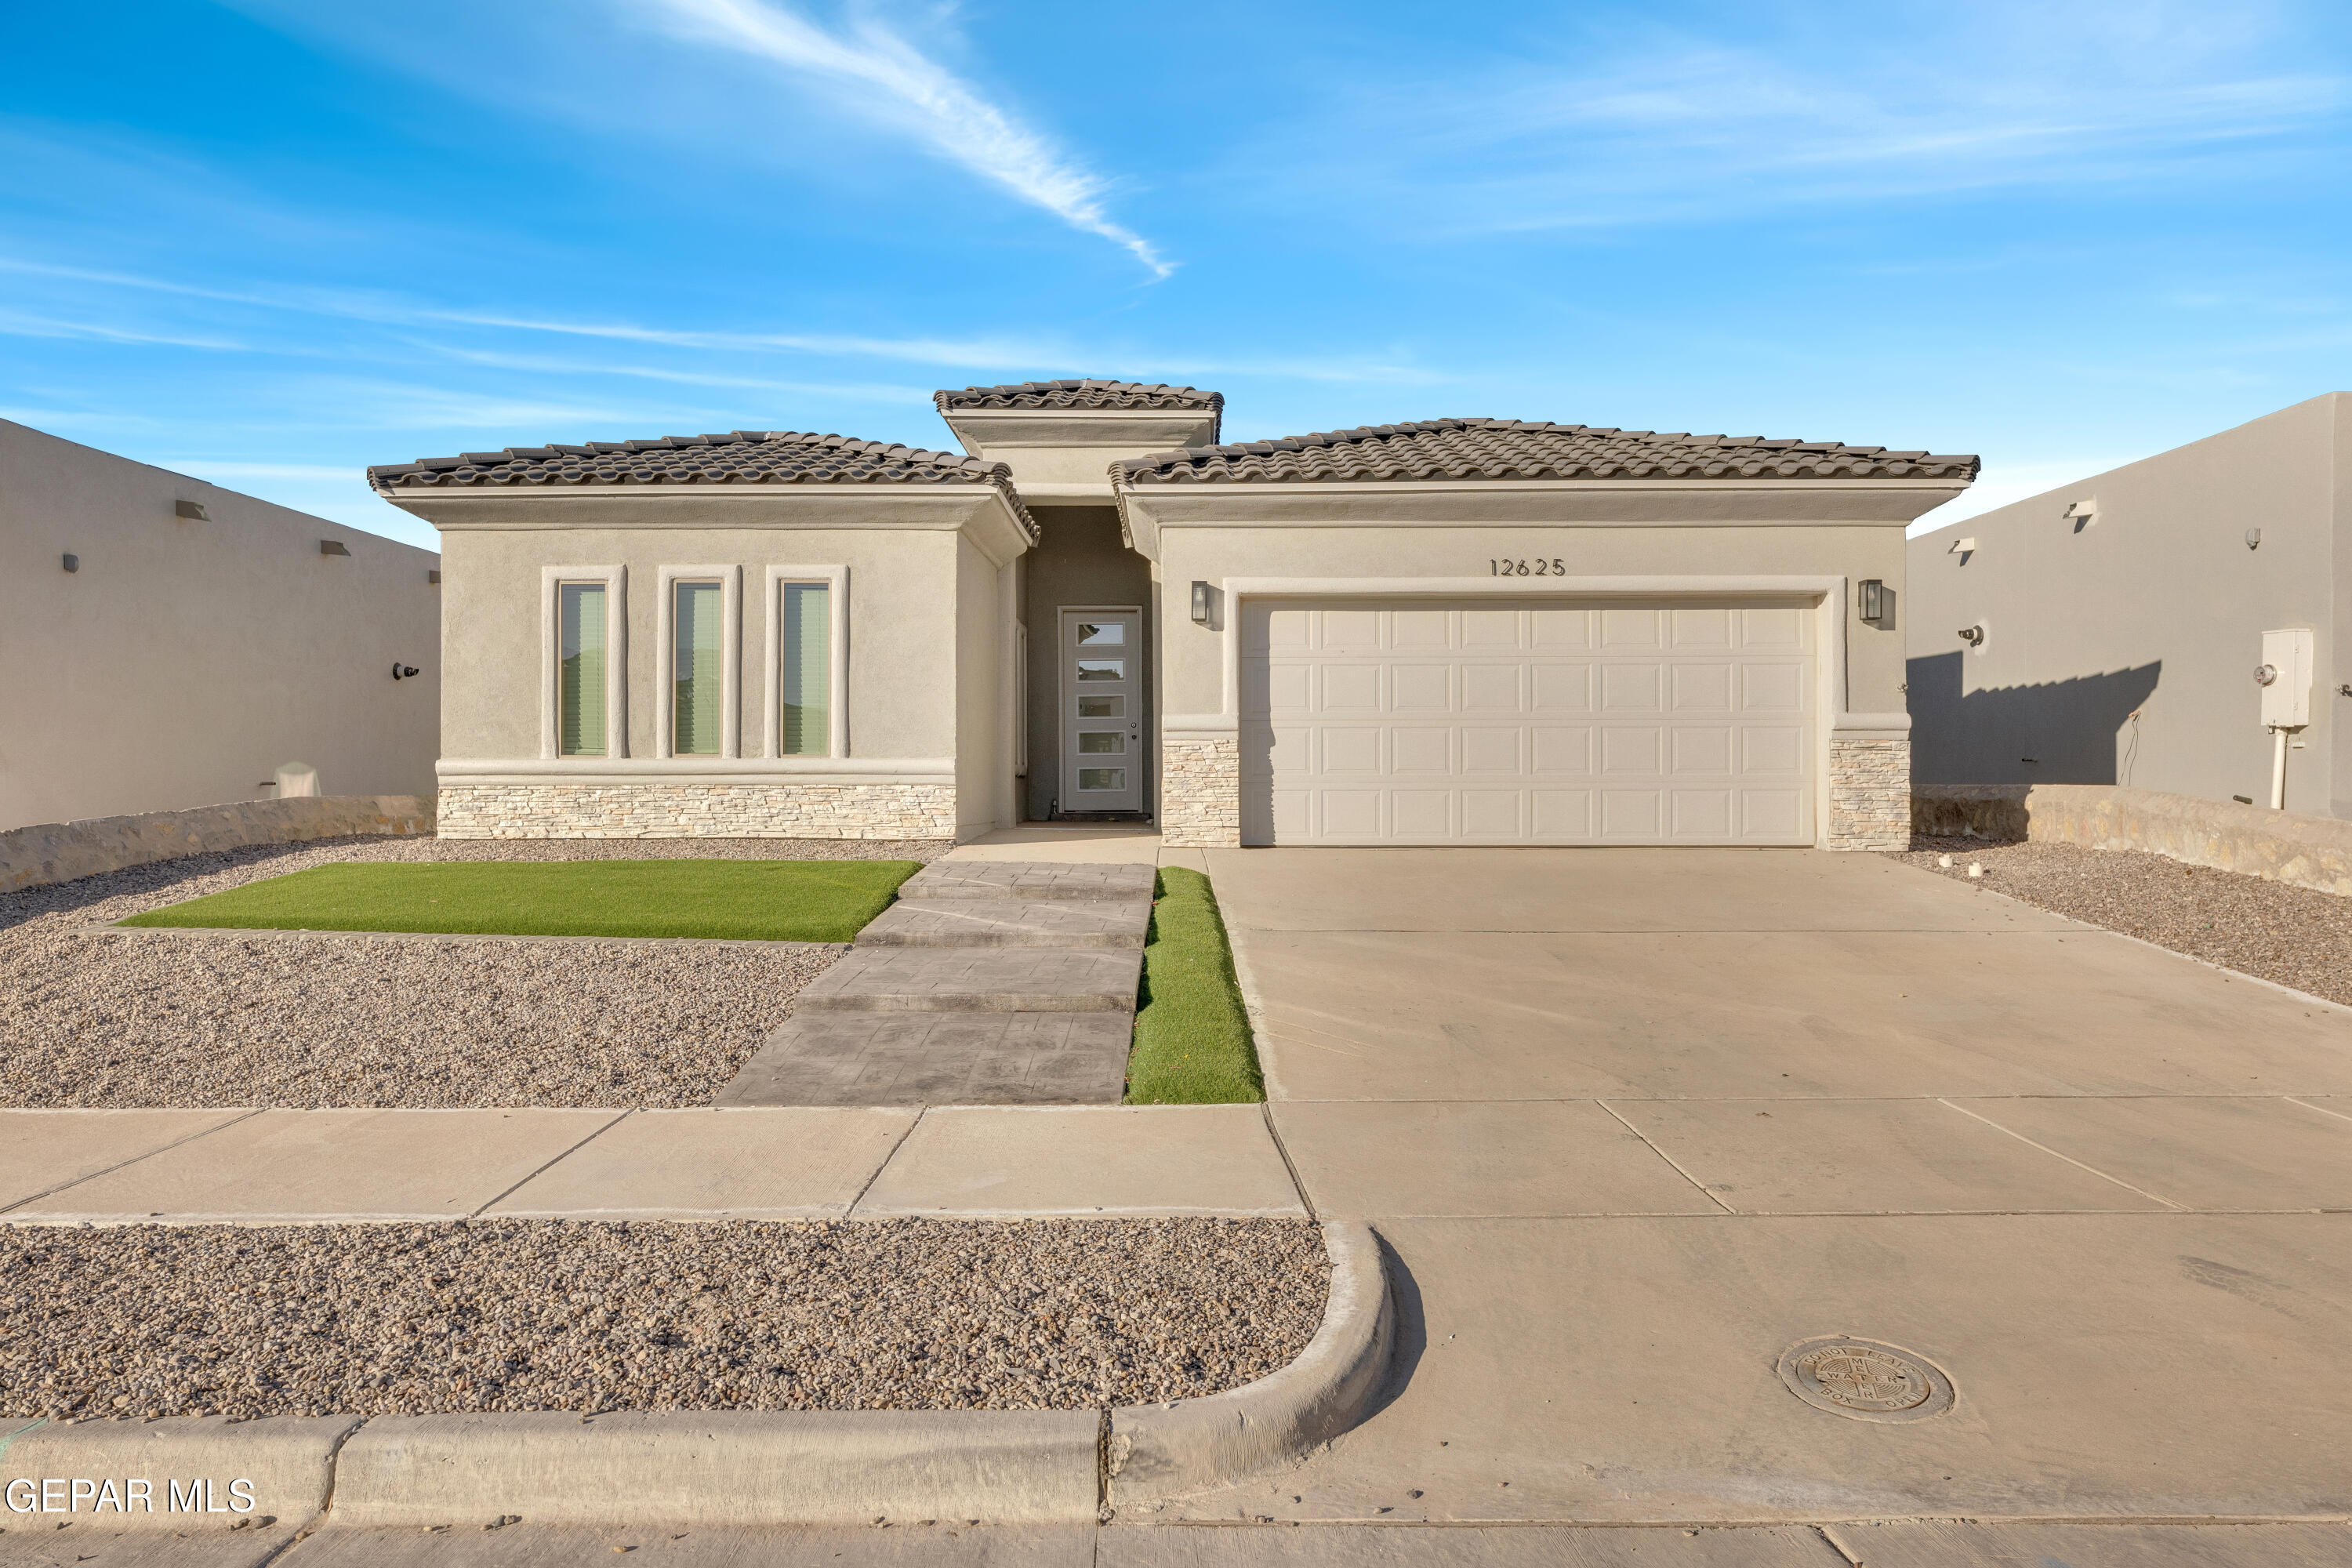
(1102, 710)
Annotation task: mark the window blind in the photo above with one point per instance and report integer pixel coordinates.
(808, 670)
(581, 685)
(697, 694)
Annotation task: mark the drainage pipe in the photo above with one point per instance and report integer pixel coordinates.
(2278, 767)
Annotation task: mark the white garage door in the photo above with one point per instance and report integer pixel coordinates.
(1486, 722)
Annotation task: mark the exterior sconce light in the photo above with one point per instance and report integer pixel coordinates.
(2253, 538)
(194, 509)
(334, 547)
(2083, 514)
(73, 562)
(1870, 599)
(433, 577)
(403, 671)
(1962, 547)
(1200, 591)
(1973, 635)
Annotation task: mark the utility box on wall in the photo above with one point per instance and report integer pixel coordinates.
(2284, 676)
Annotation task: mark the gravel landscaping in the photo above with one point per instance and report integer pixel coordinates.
(2293, 936)
(559, 1315)
(302, 1021)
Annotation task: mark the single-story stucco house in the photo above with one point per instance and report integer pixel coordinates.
(1457, 631)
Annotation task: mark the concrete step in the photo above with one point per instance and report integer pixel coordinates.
(977, 980)
(1027, 880)
(938, 1058)
(1009, 922)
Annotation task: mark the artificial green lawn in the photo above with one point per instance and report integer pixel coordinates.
(1192, 1040)
(757, 901)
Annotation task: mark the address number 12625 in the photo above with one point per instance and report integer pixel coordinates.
(1536, 567)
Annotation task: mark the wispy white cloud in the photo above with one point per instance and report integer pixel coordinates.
(16, 324)
(918, 93)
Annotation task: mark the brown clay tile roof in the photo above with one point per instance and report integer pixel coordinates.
(1079, 395)
(1451, 450)
(739, 456)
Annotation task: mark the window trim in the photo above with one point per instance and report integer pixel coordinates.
(730, 658)
(836, 581)
(616, 581)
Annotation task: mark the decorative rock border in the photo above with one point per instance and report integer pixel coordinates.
(2313, 852)
(721, 1468)
(52, 852)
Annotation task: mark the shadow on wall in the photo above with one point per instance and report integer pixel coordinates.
(2068, 727)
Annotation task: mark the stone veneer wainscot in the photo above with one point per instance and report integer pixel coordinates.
(1870, 793)
(1200, 791)
(650, 809)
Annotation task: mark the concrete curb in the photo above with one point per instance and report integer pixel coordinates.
(1158, 1451)
(722, 1468)
(801, 1466)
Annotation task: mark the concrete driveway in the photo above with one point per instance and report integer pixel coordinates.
(1633, 1122)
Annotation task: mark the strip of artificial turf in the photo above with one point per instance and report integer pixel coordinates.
(1192, 1044)
(754, 900)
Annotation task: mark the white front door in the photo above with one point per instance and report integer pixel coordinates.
(1548, 722)
(1102, 710)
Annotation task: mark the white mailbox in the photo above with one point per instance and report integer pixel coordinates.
(2285, 677)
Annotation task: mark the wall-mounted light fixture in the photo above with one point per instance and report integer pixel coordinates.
(1973, 635)
(194, 509)
(334, 547)
(2253, 538)
(2082, 513)
(1962, 547)
(73, 562)
(403, 671)
(1201, 606)
(1870, 599)
(433, 577)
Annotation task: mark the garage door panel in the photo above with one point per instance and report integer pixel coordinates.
(1563, 748)
(1702, 688)
(1562, 815)
(1631, 688)
(1443, 724)
(1488, 750)
(1562, 628)
(1421, 628)
(1420, 688)
(1417, 749)
(1491, 814)
(1704, 628)
(1702, 751)
(1563, 688)
(1632, 748)
(1700, 813)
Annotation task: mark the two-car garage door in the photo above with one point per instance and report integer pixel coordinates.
(1407, 721)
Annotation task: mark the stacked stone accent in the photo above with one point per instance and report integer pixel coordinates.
(1870, 793)
(1201, 792)
(53, 852)
(656, 810)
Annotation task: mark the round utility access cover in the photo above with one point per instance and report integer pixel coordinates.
(1865, 1380)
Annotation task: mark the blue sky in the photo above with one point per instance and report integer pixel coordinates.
(273, 241)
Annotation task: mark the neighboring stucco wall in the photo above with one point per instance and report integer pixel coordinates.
(2157, 608)
(1082, 560)
(186, 660)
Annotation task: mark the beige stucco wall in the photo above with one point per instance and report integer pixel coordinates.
(903, 588)
(983, 775)
(1082, 562)
(2157, 607)
(186, 660)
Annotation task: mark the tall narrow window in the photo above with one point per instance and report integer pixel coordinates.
(697, 690)
(808, 670)
(580, 681)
